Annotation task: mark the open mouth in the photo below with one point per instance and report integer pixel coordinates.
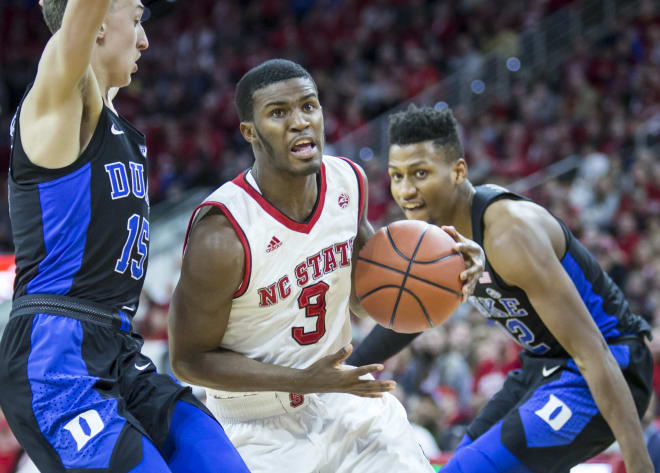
(413, 207)
(304, 148)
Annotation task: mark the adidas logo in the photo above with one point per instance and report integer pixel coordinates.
(273, 245)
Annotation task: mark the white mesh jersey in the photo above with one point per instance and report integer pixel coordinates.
(292, 306)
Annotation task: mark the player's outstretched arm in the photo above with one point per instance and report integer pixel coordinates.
(380, 345)
(69, 51)
(530, 235)
(365, 231)
(51, 115)
(212, 270)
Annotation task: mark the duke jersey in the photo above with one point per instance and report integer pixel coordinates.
(292, 307)
(510, 307)
(83, 230)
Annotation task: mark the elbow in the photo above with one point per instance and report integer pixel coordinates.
(180, 367)
(595, 358)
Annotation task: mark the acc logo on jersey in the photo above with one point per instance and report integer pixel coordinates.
(343, 200)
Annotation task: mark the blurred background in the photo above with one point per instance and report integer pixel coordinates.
(557, 99)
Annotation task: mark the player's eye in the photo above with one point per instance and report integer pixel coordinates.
(395, 176)
(277, 113)
(420, 174)
(309, 107)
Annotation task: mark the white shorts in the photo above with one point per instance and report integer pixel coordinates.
(328, 433)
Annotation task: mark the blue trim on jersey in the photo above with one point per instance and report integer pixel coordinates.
(82, 426)
(621, 354)
(65, 214)
(486, 454)
(125, 322)
(607, 323)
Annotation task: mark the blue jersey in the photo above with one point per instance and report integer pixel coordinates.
(510, 307)
(83, 230)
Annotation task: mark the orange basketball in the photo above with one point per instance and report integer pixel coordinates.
(408, 276)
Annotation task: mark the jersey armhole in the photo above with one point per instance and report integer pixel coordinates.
(239, 232)
(361, 187)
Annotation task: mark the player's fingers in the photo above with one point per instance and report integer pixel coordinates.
(370, 395)
(342, 354)
(452, 232)
(472, 273)
(366, 369)
(375, 386)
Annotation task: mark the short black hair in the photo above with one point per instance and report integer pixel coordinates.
(263, 75)
(418, 124)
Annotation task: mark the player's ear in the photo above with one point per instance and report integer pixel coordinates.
(100, 37)
(459, 171)
(248, 132)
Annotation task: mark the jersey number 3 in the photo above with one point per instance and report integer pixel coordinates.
(137, 234)
(312, 299)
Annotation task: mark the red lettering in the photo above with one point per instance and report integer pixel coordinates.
(283, 286)
(329, 263)
(302, 277)
(315, 261)
(342, 248)
(267, 296)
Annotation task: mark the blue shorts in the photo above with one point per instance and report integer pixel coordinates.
(80, 396)
(545, 419)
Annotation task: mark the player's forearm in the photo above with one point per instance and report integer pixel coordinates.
(380, 345)
(229, 371)
(615, 402)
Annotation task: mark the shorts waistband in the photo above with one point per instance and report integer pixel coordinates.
(71, 307)
(243, 406)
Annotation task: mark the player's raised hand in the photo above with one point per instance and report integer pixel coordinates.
(475, 260)
(329, 374)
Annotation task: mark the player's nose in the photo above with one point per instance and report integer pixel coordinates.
(406, 189)
(298, 120)
(142, 42)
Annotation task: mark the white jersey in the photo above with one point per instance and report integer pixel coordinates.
(293, 305)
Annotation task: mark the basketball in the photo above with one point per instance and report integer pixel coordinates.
(407, 276)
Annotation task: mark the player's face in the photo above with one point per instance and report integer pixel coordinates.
(287, 129)
(122, 42)
(423, 182)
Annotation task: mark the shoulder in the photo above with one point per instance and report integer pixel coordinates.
(213, 241)
(344, 164)
(517, 235)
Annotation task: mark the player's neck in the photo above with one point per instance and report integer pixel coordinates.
(462, 218)
(103, 80)
(294, 196)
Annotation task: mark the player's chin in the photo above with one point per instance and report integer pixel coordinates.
(419, 213)
(307, 165)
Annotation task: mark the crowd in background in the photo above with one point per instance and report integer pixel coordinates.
(602, 106)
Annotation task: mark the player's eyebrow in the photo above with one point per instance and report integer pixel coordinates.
(413, 164)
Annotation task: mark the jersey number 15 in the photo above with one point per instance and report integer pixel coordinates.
(138, 235)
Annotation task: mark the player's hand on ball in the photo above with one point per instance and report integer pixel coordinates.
(475, 261)
(330, 375)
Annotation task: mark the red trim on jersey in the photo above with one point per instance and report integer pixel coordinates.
(241, 182)
(241, 236)
(361, 187)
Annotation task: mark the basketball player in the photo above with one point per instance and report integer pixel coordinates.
(260, 315)
(586, 371)
(75, 389)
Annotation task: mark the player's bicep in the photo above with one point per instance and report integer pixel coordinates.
(537, 271)
(68, 54)
(212, 270)
(365, 231)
